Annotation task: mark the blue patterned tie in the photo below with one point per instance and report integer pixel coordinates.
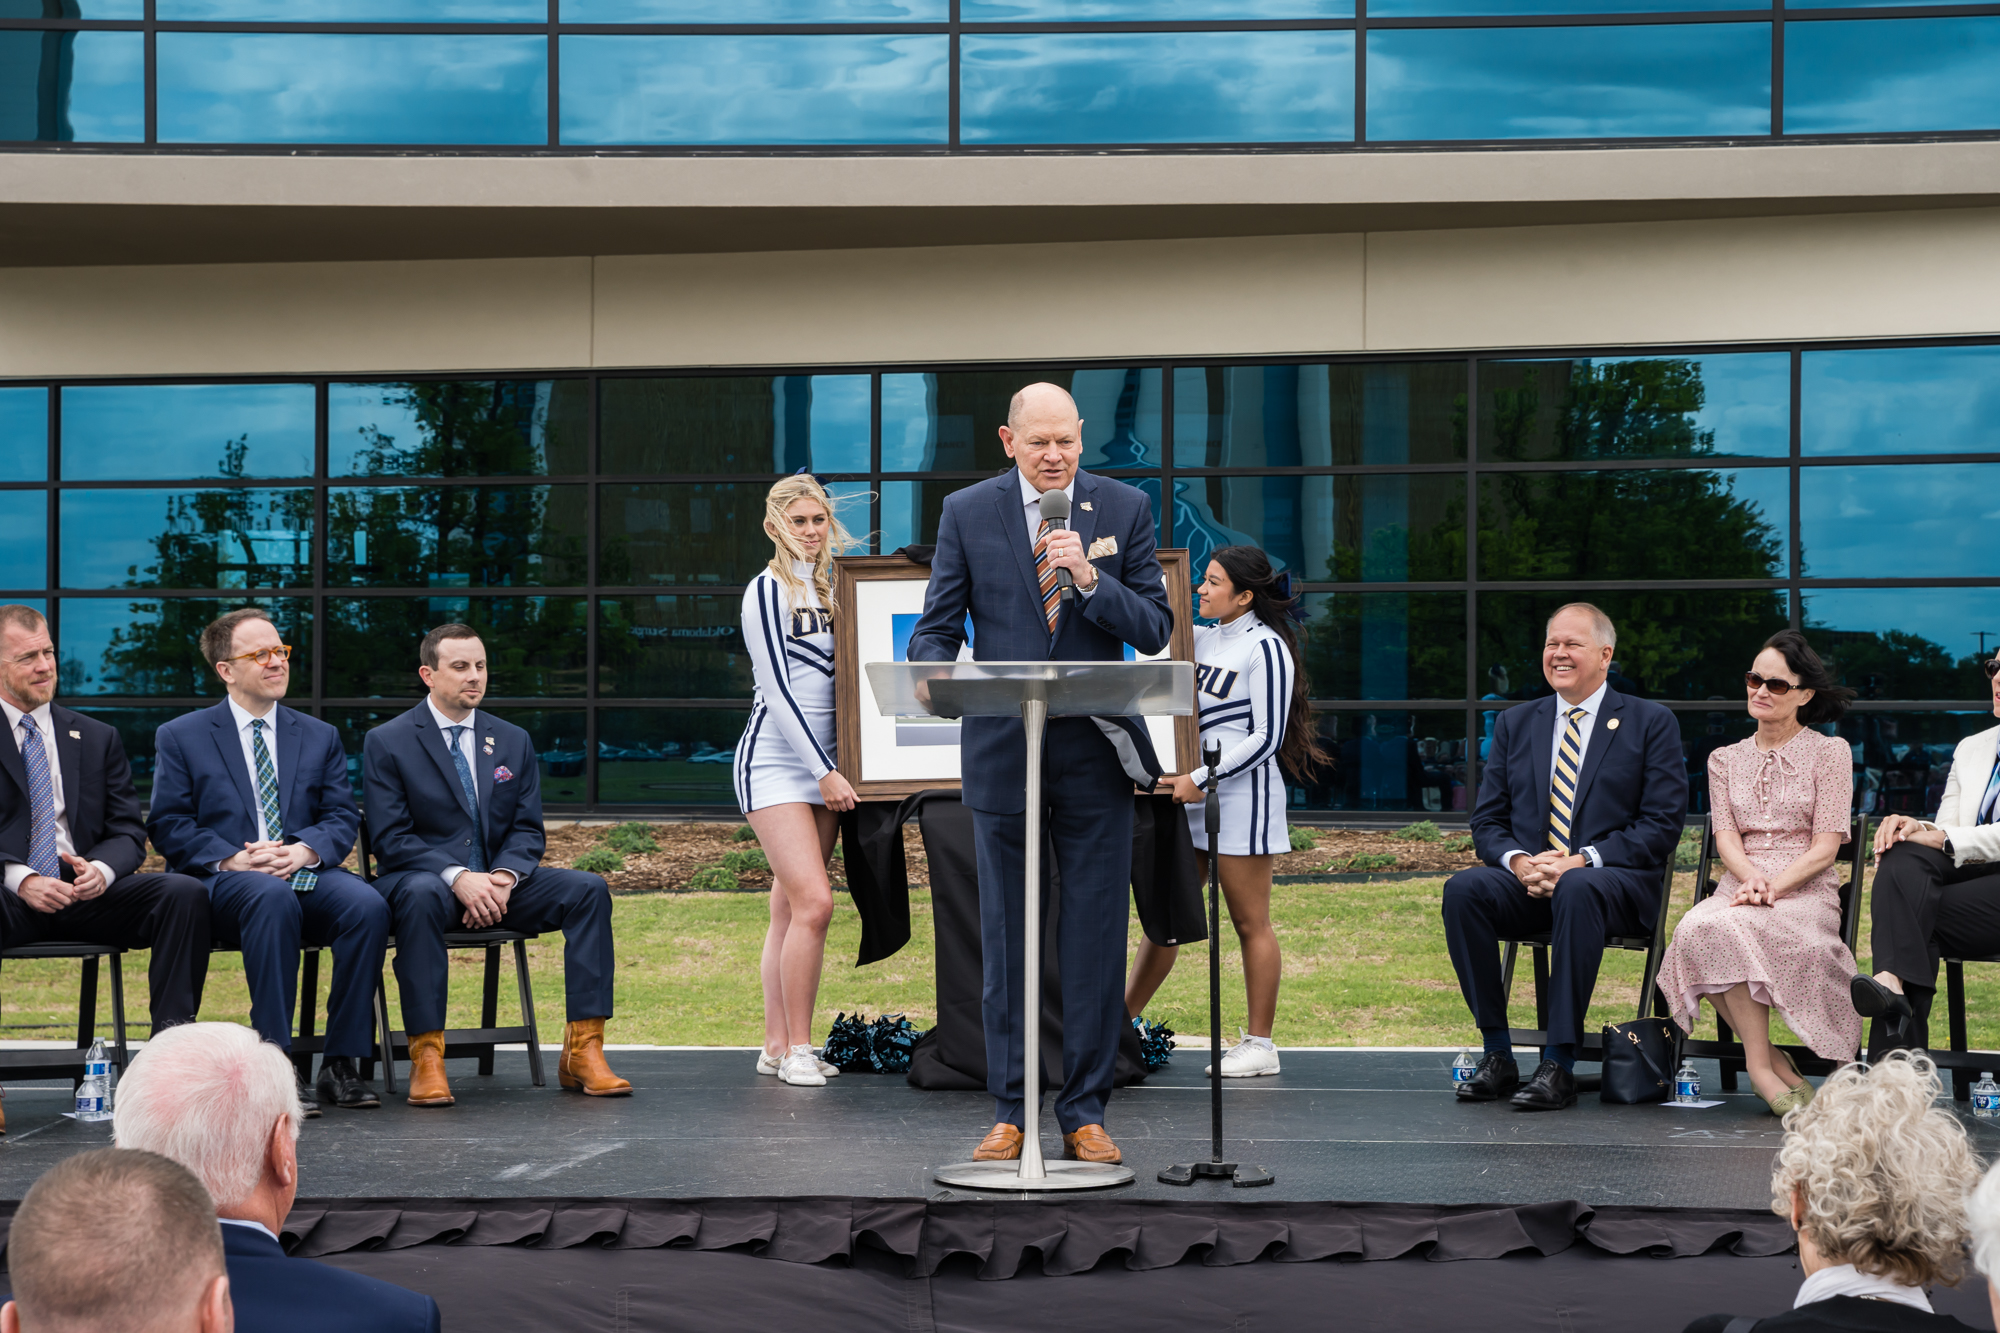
(267, 796)
(42, 858)
(1988, 803)
(476, 861)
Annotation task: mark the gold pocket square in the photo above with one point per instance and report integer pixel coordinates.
(1103, 546)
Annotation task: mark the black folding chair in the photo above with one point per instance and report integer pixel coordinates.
(461, 1043)
(1727, 1051)
(58, 1064)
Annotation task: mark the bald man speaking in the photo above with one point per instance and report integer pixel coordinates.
(998, 560)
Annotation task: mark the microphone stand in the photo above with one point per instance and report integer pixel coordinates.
(1215, 1168)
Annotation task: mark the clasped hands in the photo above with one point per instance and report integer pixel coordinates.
(483, 894)
(1538, 874)
(1065, 550)
(45, 893)
(280, 859)
(1902, 828)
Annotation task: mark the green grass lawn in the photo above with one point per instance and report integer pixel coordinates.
(1364, 966)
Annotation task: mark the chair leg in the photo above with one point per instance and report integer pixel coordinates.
(384, 1036)
(118, 1009)
(308, 1009)
(1954, 980)
(526, 991)
(1541, 988)
(1730, 1065)
(489, 1004)
(1507, 956)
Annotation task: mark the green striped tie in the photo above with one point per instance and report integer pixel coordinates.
(303, 881)
(1562, 789)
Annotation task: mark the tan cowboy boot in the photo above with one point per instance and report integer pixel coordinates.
(582, 1065)
(427, 1082)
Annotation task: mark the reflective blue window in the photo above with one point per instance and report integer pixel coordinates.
(910, 510)
(1345, 529)
(951, 422)
(1384, 645)
(682, 534)
(1673, 643)
(756, 11)
(24, 538)
(468, 536)
(1635, 524)
(1639, 81)
(673, 647)
(1456, 8)
(364, 88)
(458, 428)
(1155, 87)
(775, 89)
(1906, 643)
(1912, 520)
(1900, 400)
(118, 645)
(73, 9)
(357, 11)
(1871, 76)
(24, 434)
(1311, 416)
(136, 729)
(1643, 407)
(1903, 760)
(185, 539)
(1015, 11)
(672, 756)
(72, 87)
(1386, 759)
(534, 644)
(187, 430)
(736, 423)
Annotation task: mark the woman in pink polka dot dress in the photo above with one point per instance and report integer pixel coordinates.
(1769, 936)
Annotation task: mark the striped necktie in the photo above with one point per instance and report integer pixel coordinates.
(1562, 786)
(1045, 570)
(1989, 804)
(303, 881)
(42, 858)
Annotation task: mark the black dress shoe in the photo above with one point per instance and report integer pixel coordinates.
(306, 1102)
(340, 1083)
(1553, 1088)
(1874, 1000)
(1496, 1077)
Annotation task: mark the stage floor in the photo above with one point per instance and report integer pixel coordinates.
(1336, 1125)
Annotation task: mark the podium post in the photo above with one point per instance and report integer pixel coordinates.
(1036, 691)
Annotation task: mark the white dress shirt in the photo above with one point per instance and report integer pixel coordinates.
(471, 723)
(1031, 510)
(1585, 725)
(246, 1222)
(244, 717)
(16, 871)
(1847, 1280)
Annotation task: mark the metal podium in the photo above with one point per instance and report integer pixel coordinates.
(1037, 691)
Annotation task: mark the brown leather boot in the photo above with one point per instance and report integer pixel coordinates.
(427, 1082)
(582, 1066)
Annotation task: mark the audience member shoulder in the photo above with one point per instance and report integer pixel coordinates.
(1840, 1314)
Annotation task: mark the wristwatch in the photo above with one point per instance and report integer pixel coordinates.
(1948, 851)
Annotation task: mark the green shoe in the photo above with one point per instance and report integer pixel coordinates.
(1800, 1094)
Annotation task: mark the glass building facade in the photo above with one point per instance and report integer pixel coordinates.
(599, 528)
(976, 75)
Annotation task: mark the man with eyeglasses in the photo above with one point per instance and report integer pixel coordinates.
(252, 798)
(1936, 891)
(71, 842)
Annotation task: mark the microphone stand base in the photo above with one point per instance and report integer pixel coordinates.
(1061, 1175)
(1242, 1177)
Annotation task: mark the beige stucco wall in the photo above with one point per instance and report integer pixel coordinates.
(1839, 276)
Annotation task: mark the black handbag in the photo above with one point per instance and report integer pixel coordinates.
(1638, 1061)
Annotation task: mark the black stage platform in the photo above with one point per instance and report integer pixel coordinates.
(714, 1194)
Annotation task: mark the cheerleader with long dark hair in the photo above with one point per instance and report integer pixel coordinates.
(1250, 695)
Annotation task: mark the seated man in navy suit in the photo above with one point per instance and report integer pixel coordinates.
(252, 797)
(455, 809)
(1579, 810)
(214, 1098)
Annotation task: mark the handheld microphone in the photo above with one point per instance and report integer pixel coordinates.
(1055, 513)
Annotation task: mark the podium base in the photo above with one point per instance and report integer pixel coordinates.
(1006, 1176)
(1242, 1177)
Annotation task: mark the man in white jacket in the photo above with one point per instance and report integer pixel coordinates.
(1936, 889)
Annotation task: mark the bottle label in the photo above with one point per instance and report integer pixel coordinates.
(97, 1069)
(1461, 1073)
(1687, 1089)
(1985, 1103)
(89, 1105)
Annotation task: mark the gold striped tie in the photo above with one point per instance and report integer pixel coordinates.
(1046, 571)
(1562, 788)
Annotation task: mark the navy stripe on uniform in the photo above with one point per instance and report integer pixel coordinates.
(772, 607)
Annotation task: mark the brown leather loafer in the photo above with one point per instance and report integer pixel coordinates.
(1001, 1144)
(1089, 1143)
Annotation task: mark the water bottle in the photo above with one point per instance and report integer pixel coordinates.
(1687, 1084)
(93, 1096)
(1462, 1069)
(1986, 1098)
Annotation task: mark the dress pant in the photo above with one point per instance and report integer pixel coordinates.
(1590, 903)
(573, 901)
(168, 914)
(268, 920)
(1087, 820)
(1921, 908)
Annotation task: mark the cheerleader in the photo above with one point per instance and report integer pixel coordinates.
(1250, 695)
(786, 780)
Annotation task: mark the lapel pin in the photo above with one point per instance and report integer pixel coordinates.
(76, 735)
(1086, 507)
(1612, 725)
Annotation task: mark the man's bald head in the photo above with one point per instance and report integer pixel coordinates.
(1040, 400)
(1044, 436)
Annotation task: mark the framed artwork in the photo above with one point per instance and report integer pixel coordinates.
(887, 758)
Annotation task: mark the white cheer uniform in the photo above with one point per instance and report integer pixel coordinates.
(1243, 693)
(789, 744)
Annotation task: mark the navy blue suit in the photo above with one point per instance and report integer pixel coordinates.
(420, 826)
(274, 1293)
(205, 808)
(1631, 800)
(985, 565)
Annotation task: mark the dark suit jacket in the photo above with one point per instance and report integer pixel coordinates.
(417, 816)
(276, 1294)
(1631, 794)
(205, 804)
(99, 803)
(985, 564)
(1841, 1314)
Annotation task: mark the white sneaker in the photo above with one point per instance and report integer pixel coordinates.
(1250, 1057)
(767, 1063)
(800, 1069)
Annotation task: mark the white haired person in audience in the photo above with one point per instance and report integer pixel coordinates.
(113, 1241)
(224, 1103)
(1873, 1176)
(1982, 1216)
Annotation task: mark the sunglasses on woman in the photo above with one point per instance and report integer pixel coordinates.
(1991, 666)
(1778, 688)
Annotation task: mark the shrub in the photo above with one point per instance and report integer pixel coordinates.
(1462, 843)
(1302, 839)
(1363, 861)
(714, 879)
(744, 834)
(633, 839)
(750, 858)
(1422, 831)
(599, 861)
(1687, 852)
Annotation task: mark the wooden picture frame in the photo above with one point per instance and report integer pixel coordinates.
(877, 591)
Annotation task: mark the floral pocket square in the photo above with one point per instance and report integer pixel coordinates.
(503, 774)
(1102, 547)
